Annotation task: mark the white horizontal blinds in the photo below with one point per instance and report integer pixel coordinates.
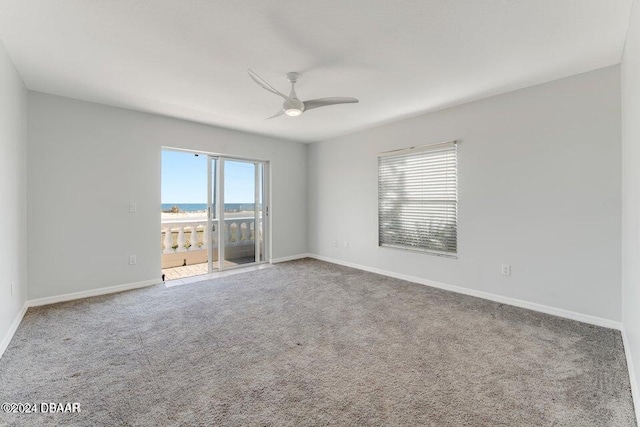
(417, 198)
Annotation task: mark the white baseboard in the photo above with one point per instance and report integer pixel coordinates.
(13, 328)
(91, 293)
(635, 387)
(580, 317)
(289, 258)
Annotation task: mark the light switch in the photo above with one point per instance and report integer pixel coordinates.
(506, 270)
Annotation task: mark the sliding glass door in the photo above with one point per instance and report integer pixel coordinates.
(237, 217)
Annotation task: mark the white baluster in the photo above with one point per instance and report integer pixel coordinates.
(233, 227)
(167, 241)
(174, 239)
(180, 239)
(194, 238)
(244, 229)
(186, 230)
(200, 244)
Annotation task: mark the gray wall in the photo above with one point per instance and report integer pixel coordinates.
(631, 196)
(13, 184)
(539, 188)
(87, 162)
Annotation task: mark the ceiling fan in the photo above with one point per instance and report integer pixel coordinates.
(292, 106)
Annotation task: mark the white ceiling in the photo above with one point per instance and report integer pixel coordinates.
(188, 58)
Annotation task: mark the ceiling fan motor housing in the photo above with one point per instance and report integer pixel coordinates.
(293, 107)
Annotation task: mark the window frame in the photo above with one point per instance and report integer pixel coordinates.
(418, 249)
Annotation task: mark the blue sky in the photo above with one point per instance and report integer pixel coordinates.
(184, 179)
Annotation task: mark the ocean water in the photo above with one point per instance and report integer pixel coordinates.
(198, 207)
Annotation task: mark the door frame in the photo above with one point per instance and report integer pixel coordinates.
(266, 205)
(219, 204)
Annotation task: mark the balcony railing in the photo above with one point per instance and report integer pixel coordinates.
(190, 238)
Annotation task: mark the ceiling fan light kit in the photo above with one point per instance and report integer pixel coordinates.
(292, 106)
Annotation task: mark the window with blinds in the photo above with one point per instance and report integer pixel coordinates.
(418, 198)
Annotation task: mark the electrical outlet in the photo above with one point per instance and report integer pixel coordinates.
(133, 208)
(346, 244)
(335, 243)
(506, 269)
(132, 260)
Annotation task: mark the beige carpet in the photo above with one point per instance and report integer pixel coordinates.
(311, 343)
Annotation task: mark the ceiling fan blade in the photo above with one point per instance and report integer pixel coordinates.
(263, 84)
(278, 114)
(323, 102)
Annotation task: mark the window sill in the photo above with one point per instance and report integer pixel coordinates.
(421, 251)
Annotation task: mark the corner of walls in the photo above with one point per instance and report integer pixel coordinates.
(630, 91)
(13, 187)
(310, 194)
(307, 197)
